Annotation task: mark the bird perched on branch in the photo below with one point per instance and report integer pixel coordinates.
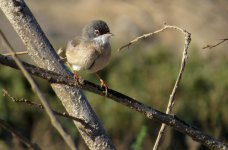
(92, 51)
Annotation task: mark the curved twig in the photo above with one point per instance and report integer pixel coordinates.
(183, 62)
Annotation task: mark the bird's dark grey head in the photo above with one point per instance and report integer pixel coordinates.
(94, 29)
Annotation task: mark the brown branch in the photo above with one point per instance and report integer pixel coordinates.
(148, 111)
(150, 34)
(41, 96)
(214, 45)
(40, 106)
(173, 94)
(23, 139)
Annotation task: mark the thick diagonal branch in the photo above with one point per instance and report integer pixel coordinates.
(43, 54)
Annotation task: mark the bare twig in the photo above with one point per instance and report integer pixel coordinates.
(23, 139)
(173, 94)
(41, 96)
(183, 62)
(149, 34)
(40, 106)
(214, 45)
(16, 53)
(148, 111)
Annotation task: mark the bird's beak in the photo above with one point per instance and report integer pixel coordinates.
(110, 34)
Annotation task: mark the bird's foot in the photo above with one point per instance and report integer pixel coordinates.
(76, 77)
(103, 85)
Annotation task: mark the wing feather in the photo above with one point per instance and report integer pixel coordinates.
(82, 54)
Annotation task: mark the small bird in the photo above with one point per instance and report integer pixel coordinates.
(92, 51)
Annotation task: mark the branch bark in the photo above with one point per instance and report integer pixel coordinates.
(148, 111)
(43, 54)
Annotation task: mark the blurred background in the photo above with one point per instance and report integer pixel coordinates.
(146, 71)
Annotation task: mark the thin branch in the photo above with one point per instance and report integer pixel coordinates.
(149, 34)
(214, 45)
(183, 62)
(40, 106)
(41, 96)
(173, 94)
(23, 139)
(148, 111)
(16, 53)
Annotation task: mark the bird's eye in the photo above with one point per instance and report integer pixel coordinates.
(97, 32)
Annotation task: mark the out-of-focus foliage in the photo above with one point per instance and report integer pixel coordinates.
(147, 75)
(139, 139)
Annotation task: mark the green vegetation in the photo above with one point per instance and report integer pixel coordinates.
(139, 139)
(147, 75)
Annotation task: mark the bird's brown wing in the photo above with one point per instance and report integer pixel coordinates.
(81, 53)
(73, 43)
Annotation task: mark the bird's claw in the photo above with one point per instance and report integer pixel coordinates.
(76, 77)
(103, 85)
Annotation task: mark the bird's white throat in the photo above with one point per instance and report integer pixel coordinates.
(103, 39)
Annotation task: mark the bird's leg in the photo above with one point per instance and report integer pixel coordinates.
(102, 84)
(76, 77)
